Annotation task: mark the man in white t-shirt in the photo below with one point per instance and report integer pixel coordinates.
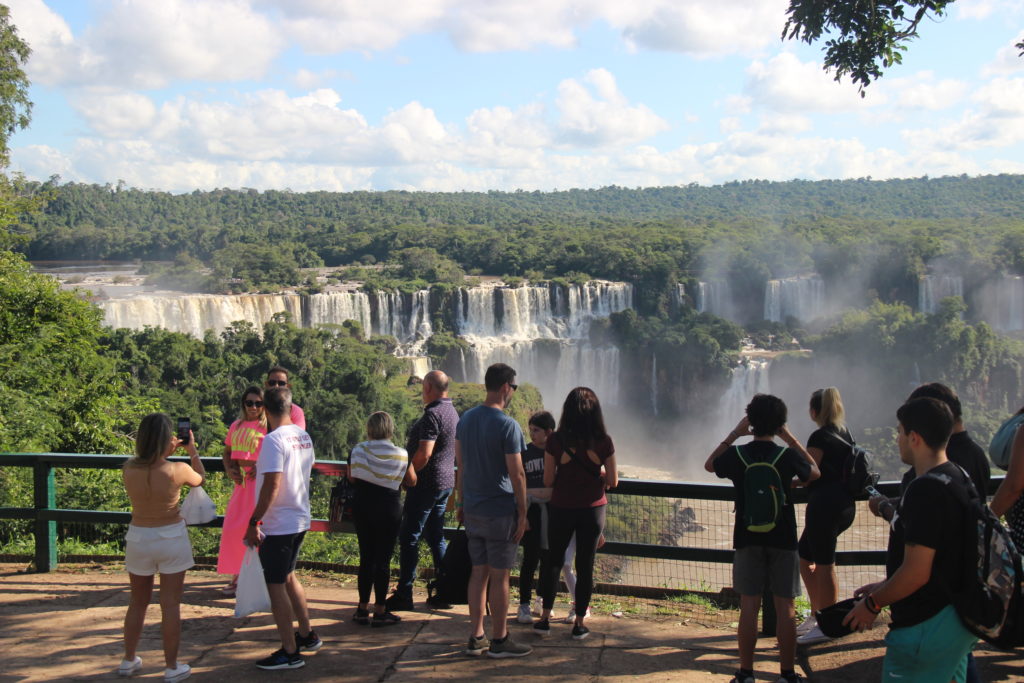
(282, 510)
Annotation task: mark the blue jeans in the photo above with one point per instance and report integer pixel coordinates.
(423, 515)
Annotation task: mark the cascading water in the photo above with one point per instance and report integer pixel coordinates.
(748, 378)
(1002, 303)
(931, 289)
(800, 297)
(716, 298)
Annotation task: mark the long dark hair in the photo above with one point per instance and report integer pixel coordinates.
(582, 422)
(151, 440)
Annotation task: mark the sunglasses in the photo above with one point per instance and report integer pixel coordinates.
(514, 386)
(254, 404)
(277, 382)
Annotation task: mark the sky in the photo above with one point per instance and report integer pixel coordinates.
(476, 95)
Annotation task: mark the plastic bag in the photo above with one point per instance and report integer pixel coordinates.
(251, 594)
(198, 508)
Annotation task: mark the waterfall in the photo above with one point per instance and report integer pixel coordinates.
(932, 289)
(196, 313)
(1002, 303)
(748, 378)
(654, 384)
(801, 297)
(334, 308)
(715, 298)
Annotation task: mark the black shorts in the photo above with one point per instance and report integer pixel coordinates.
(278, 555)
(827, 517)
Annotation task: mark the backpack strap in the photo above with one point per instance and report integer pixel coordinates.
(774, 460)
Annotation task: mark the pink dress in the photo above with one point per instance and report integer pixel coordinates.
(244, 439)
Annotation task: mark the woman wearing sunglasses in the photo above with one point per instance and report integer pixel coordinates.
(241, 446)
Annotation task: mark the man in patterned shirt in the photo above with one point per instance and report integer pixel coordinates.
(431, 446)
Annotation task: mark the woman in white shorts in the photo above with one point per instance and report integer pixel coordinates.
(157, 538)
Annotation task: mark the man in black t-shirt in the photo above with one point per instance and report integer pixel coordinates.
(765, 556)
(924, 564)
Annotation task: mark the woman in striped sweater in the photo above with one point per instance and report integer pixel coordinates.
(377, 469)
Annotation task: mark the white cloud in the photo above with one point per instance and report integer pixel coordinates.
(785, 84)
(604, 119)
(995, 121)
(305, 79)
(138, 43)
(706, 28)
(115, 113)
(923, 91)
(1007, 60)
(983, 9)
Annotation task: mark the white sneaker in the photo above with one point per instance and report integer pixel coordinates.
(179, 673)
(129, 668)
(806, 625)
(571, 616)
(812, 637)
(524, 616)
(538, 606)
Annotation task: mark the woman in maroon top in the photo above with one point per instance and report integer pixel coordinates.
(579, 465)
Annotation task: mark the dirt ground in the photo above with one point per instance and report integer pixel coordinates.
(66, 625)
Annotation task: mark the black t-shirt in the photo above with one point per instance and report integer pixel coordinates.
(533, 463)
(929, 515)
(834, 453)
(729, 466)
(963, 451)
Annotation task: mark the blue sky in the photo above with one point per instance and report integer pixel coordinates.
(496, 94)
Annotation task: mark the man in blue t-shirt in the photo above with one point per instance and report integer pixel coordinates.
(491, 488)
(765, 555)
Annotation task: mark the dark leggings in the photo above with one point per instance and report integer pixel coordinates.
(587, 524)
(378, 514)
(533, 554)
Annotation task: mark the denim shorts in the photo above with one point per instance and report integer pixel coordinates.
(160, 549)
(490, 540)
(934, 650)
(755, 563)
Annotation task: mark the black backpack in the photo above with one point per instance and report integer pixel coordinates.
(990, 602)
(856, 470)
(452, 583)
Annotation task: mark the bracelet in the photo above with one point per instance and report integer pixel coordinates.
(869, 602)
(726, 443)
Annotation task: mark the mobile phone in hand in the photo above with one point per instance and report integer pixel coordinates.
(184, 427)
(872, 491)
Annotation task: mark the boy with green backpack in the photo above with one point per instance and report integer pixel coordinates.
(764, 534)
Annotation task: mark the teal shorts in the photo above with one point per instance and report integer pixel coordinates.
(933, 651)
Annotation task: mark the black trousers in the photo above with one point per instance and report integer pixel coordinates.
(378, 515)
(587, 524)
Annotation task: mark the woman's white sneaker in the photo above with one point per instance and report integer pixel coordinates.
(812, 637)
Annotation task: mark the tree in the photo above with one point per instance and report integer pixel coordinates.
(15, 107)
(869, 35)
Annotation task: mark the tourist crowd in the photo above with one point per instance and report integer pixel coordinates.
(549, 496)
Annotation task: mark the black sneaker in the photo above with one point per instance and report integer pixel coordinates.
(386, 619)
(436, 602)
(282, 660)
(580, 632)
(399, 603)
(361, 617)
(542, 627)
(310, 643)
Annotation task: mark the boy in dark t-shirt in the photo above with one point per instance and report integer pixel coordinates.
(765, 555)
(927, 642)
(535, 540)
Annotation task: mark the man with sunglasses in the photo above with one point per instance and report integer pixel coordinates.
(491, 486)
(277, 376)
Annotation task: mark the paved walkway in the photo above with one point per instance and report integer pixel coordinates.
(67, 626)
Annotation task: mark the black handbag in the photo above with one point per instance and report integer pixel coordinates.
(342, 517)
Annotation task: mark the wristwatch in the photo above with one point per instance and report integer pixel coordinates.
(253, 521)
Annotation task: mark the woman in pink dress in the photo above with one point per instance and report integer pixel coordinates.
(241, 447)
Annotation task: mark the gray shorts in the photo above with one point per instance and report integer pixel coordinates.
(753, 564)
(490, 541)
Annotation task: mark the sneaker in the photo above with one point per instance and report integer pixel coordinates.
(399, 603)
(386, 619)
(508, 648)
(310, 643)
(435, 602)
(812, 637)
(571, 616)
(129, 668)
(282, 660)
(524, 616)
(580, 632)
(228, 591)
(538, 606)
(477, 646)
(791, 678)
(178, 673)
(542, 627)
(741, 677)
(806, 625)
(361, 617)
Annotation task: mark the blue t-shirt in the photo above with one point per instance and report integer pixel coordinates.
(486, 436)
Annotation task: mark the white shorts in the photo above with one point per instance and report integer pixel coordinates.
(160, 549)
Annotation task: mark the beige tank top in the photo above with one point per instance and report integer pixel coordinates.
(154, 490)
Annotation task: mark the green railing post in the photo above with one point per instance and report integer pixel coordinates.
(45, 498)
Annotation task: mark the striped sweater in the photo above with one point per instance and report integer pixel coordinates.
(378, 462)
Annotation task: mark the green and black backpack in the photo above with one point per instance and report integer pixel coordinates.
(763, 495)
